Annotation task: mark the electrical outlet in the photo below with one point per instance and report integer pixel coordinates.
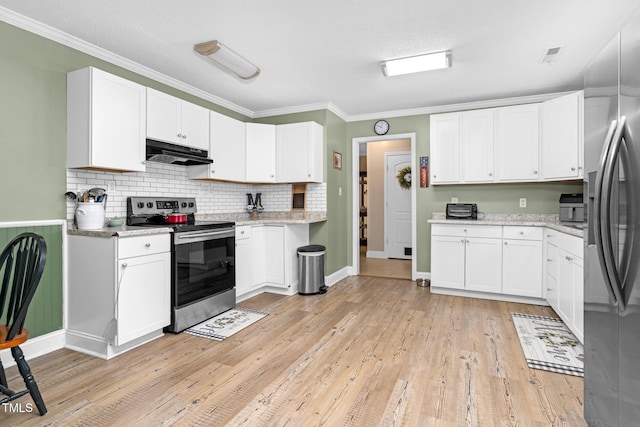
(111, 186)
(454, 200)
(523, 202)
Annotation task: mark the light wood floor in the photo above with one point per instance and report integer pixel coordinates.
(382, 267)
(370, 352)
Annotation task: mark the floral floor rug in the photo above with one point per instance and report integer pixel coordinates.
(549, 345)
(226, 324)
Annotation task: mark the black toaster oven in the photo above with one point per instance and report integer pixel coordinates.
(462, 211)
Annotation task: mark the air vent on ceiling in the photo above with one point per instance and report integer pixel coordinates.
(552, 54)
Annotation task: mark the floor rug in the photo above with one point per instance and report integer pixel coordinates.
(226, 324)
(549, 345)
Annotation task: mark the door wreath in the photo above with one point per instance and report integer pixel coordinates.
(404, 178)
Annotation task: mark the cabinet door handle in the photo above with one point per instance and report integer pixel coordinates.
(147, 245)
(549, 290)
(573, 169)
(490, 174)
(505, 243)
(461, 240)
(179, 135)
(549, 260)
(522, 233)
(568, 258)
(535, 172)
(213, 171)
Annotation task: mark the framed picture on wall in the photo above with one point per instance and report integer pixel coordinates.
(337, 160)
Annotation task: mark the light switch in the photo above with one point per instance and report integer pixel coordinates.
(454, 200)
(339, 191)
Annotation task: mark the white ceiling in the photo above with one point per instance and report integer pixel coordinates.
(329, 51)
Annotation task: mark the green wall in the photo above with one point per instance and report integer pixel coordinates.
(33, 161)
(491, 198)
(334, 233)
(33, 81)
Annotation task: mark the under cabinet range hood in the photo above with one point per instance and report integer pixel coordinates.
(164, 152)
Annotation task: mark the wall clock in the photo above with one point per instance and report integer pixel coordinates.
(381, 127)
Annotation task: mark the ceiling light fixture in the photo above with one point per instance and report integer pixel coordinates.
(416, 64)
(222, 55)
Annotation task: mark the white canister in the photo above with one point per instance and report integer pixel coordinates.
(90, 216)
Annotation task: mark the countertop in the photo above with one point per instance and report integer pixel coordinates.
(529, 220)
(241, 218)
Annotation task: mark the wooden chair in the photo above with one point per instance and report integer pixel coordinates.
(21, 266)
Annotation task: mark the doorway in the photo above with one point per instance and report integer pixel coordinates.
(383, 239)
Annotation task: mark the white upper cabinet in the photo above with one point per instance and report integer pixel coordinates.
(106, 118)
(518, 143)
(261, 152)
(561, 137)
(171, 119)
(227, 150)
(299, 148)
(445, 148)
(477, 137)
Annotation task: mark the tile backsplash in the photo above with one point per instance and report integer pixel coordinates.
(163, 180)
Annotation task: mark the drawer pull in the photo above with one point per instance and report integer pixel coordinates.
(522, 233)
(147, 245)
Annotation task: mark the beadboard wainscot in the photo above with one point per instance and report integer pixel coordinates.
(45, 319)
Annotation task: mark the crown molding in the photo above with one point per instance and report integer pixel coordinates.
(48, 32)
(492, 103)
(303, 108)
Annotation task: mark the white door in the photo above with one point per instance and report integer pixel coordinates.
(397, 207)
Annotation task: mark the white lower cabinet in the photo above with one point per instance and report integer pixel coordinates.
(483, 260)
(118, 292)
(564, 279)
(504, 262)
(466, 257)
(266, 258)
(522, 261)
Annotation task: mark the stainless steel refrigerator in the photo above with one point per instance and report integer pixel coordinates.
(612, 236)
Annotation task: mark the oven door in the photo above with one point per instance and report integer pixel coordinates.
(204, 265)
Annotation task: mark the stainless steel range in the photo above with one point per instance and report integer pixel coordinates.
(202, 257)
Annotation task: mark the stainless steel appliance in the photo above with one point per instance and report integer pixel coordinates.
(571, 208)
(462, 211)
(202, 258)
(612, 237)
(164, 152)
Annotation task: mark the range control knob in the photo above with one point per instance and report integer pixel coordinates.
(191, 204)
(149, 205)
(140, 205)
(184, 204)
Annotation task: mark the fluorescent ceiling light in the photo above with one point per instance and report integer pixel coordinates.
(416, 64)
(222, 55)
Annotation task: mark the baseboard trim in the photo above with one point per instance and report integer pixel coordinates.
(376, 254)
(35, 347)
(490, 296)
(336, 276)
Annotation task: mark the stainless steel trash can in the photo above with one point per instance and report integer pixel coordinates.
(311, 270)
